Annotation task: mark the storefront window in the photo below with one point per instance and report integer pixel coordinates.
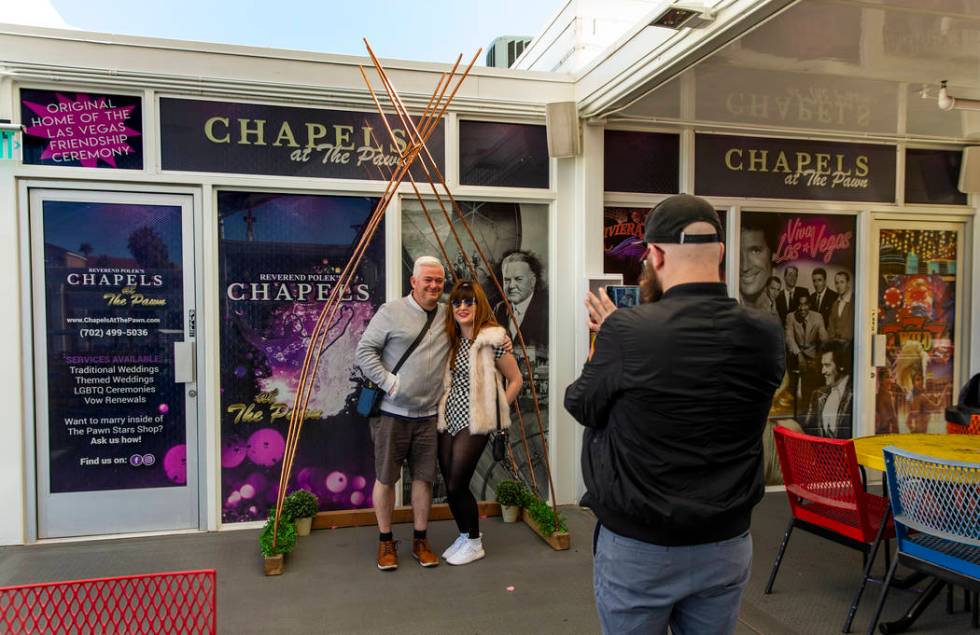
(800, 269)
(503, 154)
(622, 240)
(279, 256)
(646, 162)
(514, 238)
(916, 311)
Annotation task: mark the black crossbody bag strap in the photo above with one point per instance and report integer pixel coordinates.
(430, 315)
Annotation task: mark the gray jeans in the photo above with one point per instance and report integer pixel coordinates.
(643, 588)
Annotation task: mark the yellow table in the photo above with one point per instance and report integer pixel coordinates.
(950, 447)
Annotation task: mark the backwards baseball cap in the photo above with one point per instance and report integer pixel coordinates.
(668, 220)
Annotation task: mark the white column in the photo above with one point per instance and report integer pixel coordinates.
(578, 253)
(12, 425)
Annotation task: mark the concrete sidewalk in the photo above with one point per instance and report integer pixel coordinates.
(331, 584)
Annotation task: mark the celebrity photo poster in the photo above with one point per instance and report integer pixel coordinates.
(280, 255)
(916, 310)
(800, 269)
(622, 241)
(113, 293)
(514, 238)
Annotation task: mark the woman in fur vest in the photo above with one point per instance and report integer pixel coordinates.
(474, 400)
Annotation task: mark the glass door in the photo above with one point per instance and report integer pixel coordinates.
(917, 334)
(115, 391)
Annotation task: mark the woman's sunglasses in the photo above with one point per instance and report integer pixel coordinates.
(458, 302)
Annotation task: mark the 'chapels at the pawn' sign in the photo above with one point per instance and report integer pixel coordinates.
(727, 165)
(212, 136)
(82, 129)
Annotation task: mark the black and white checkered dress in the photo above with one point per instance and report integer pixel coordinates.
(458, 402)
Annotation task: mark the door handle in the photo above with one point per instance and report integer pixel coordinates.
(878, 345)
(185, 367)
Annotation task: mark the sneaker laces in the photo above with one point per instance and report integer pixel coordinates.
(388, 547)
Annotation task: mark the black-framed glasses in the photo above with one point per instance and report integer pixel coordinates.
(458, 302)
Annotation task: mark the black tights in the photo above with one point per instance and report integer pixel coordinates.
(458, 456)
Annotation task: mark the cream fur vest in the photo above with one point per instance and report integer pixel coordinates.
(487, 396)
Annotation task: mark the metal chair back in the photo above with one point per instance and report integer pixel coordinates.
(823, 483)
(936, 504)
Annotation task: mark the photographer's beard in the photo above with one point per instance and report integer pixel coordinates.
(650, 287)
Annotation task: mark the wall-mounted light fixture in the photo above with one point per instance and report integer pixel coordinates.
(949, 103)
(684, 14)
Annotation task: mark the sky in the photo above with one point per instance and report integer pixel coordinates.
(429, 30)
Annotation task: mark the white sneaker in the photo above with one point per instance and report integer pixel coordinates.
(471, 550)
(453, 548)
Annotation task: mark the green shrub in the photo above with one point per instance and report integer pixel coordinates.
(300, 504)
(511, 493)
(544, 516)
(287, 536)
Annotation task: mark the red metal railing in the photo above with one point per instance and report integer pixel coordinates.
(180, 602)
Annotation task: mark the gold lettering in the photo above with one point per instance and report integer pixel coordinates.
(782, 164)
(840, 166)
(758, 157)
(342, 136)
(286, 133)
(802, 160)
(245, 131)
(400, 144)
(733, 152)
(311, 136)
(367, 130)
(823, 163)
(209, 130)
(861, 162)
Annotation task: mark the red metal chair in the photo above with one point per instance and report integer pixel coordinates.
(972, 428)
(155, 603)
(827, 498)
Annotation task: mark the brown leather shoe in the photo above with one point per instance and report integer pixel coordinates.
(388, 555)
(424, 554)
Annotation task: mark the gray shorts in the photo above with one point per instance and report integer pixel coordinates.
(396, 440)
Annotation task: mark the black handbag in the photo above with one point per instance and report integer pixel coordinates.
(370, 395)
(499, 447)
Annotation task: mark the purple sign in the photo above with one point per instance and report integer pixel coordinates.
(728, 165)
(280, 255)
(89, 131)
(232, 137)
(114, 302)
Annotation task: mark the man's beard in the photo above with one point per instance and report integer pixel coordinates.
(650, 287)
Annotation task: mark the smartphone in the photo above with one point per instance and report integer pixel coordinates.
(623, 295)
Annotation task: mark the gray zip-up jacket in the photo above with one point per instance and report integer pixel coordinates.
(389, 334)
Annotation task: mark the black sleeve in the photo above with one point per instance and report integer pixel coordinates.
(590, 397)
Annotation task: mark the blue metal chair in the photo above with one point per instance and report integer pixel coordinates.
(936, 506)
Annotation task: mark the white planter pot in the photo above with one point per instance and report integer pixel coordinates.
(510, 513)
(303, 526)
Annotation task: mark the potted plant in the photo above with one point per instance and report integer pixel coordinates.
(301, 506)
(511, 495)
(273, 553)
(546, 522)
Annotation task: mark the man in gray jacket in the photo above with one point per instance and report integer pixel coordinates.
(406, 427)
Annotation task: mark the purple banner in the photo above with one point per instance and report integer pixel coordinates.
(280, 256)
(114, 301)
(86, 130)
(232, 137)
(727, 165)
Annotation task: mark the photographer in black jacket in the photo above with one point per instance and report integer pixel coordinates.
(674, 402)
